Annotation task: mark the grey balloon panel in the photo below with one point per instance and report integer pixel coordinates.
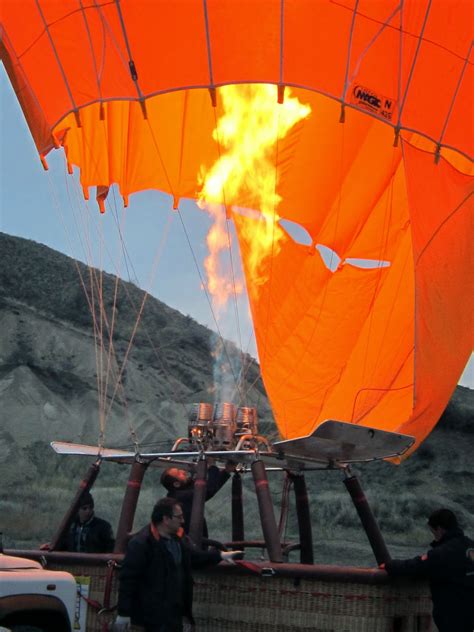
(340, 442)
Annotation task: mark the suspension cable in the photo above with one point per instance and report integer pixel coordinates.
(203, 284)
(239, 386)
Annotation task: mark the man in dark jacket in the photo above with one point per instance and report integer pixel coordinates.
(180, 485)
(87, 533)
(449, 570)
(156, 585)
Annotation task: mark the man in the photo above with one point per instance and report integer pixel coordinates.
(156, 585)
(87, 533)
(448, 567)
(180, 485)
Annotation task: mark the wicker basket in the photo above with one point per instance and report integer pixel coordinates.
(226, 601)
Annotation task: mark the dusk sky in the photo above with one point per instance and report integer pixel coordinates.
(48, 208)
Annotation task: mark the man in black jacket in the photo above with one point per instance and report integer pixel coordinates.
(156, 585)
(180, 485)
(449, 570)
(87, 533)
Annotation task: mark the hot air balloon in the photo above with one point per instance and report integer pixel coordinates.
(362, 297)
(380, 171)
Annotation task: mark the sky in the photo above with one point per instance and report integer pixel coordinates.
(47, 207)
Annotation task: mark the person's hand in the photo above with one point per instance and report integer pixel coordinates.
(382, 566)
(230, 466)
(188, 626)
(121, 624)
(229, 556)
(45, 547)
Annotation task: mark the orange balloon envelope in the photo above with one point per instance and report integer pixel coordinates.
(370, 319)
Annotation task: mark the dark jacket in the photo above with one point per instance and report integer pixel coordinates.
(94, 536)
(149, 579)
(451, 580)
(215, 480)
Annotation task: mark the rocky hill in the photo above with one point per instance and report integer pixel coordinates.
(49, 376)
(50, 368)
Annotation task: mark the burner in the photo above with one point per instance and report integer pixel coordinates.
(223, 426)
(247, 421)
(199, 420)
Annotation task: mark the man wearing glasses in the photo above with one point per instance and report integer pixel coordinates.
(155, 581)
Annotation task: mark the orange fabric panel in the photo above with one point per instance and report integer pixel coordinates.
(88, 59)
(35, 60)
(376, 383)
(313, 54)
(139, 154)
(460, 126)
(309, 193)
(441, 209)
(101, 52)
(315, 328)
(168, 44)
(430, 76)
(375, 387)
(38, 124)
(375, 51)
(340, 344)
(245, 37)
(439, 90)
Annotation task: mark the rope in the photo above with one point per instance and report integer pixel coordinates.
(458, 85)
(208, 44)
(270, 279)
(285, 502)
(412, 69)
(131, 63)
(94, 62)
(282, 38)
(203, 284)
(383, 26)
(231, 260)
(349, 48)
(60, 66)
(239, 380)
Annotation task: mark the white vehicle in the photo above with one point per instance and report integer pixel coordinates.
(33, 599)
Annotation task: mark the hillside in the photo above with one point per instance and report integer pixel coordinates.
(48, 352)
(48, 391)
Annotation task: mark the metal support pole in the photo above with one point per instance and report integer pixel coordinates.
(129, 505)
(367, 518)
(304, 519)
(284, 505)
(199, 498)
(237, 509)
(267, 517)
(84, 486)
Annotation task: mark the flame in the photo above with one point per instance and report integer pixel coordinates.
(220, 281)
(247, 134)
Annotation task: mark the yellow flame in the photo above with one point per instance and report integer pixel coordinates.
(247, 134)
